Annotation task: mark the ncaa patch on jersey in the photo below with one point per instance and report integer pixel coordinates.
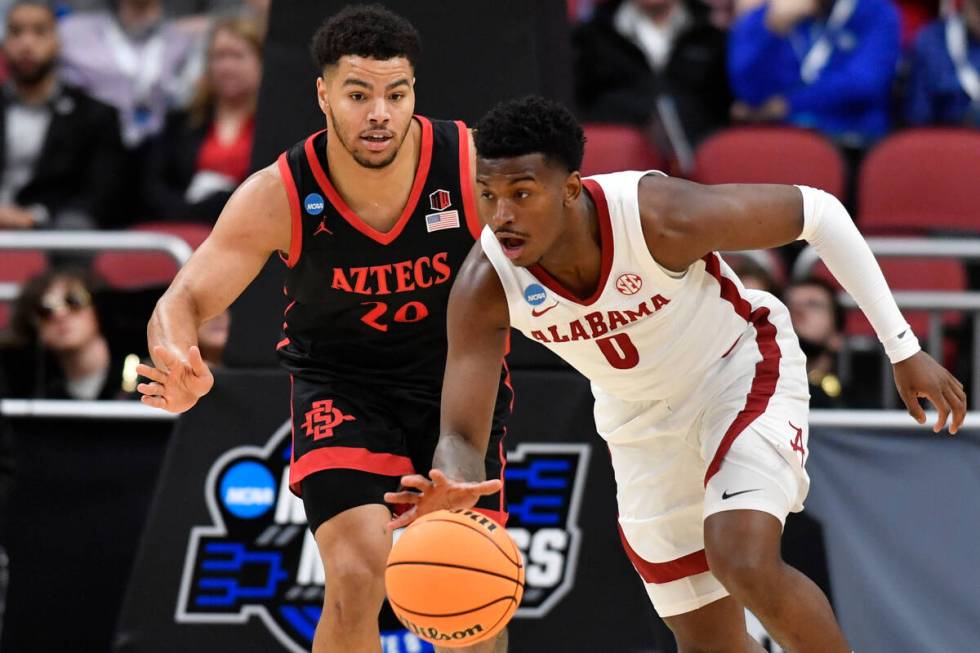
(441, 220)
(535, 294)
(313, 204)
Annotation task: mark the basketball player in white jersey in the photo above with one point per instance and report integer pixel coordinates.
(700, 384)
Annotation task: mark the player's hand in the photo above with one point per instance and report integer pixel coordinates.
(175, 384)
(439, 493)
(921, 376)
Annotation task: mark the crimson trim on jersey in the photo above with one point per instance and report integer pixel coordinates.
(766, 370)
(296, 217)
(317, 460)
(605, 245)
(466, 182)
(421, 173)
(282, 343)
(498, 516)
(691, 564)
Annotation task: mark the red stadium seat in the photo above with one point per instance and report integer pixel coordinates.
(770, 155)
(911, 274)
(16, 267)
(611, 148)
(921, 180)
(141, 269)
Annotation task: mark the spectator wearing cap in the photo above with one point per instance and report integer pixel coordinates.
(822, 64)
(944, 71)
(59, 148)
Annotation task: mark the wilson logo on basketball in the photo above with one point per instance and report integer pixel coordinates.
(324, 418)
(432, 634)
(629, 284)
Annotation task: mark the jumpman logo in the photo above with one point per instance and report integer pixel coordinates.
(322, 228)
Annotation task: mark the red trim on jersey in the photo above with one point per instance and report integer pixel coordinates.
(288, 308)
(665, 572)
(282, 343)
(605, 245)
(296, 218)
(766, 370)
(466, 182)
(498, 516)
(386, 464)
(421, 173)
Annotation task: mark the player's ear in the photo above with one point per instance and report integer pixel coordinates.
(321, 95)
(572, 187)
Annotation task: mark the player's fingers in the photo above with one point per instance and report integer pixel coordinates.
(155, 389)
(438, 478)
(150, 372)
(416, 481)
(911, 402)
(165, 356)
(402, 520)
(935, 396)
(155, 401)
(198, 366)
(487, 487)
(402, 497)
(958, 407)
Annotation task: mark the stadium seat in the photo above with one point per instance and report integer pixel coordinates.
(142, 269)
(16, 267)
(772, 155)
(920, 181)
(611, 148)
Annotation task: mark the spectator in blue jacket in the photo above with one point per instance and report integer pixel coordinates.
(944, 71)
(822, 64)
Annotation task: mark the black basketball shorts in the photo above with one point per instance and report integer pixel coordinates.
(353, 442)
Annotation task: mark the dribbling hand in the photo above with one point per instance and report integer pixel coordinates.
(439, 493)
(175, 384)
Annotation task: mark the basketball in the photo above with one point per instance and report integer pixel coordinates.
(455, 578)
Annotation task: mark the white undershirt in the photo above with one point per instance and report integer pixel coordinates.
(87, 387)
(656, 40)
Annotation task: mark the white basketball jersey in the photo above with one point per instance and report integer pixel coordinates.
(646, 333)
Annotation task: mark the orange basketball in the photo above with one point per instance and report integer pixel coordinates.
(455, 577)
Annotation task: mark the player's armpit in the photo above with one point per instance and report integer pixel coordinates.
(683, 221)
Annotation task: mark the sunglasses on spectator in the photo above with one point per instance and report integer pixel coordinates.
(74, 300)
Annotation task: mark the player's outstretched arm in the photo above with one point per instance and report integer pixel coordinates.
(683, 221)
(478, 325)
(254, 223)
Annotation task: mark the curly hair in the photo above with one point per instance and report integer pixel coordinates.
(365, 31)
(531, 125)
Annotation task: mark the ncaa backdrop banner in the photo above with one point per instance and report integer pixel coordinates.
(227, 562)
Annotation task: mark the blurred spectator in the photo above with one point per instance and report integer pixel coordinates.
(203, 154)
(639, 61)
(60, 349)
(914, 15)
(818, 320)
(944, 75)
(823, 64)
(59, 149)
(752, 275)
(134, 59)
(212, 337)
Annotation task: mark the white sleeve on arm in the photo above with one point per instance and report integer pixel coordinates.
(828, 227)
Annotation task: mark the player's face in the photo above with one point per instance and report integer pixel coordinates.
(523, 200)
(369, 105)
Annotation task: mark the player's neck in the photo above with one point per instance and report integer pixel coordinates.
(575, 260)
(376, 195)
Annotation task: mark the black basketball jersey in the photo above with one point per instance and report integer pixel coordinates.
(371, 306)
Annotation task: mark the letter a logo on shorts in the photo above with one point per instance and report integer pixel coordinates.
(323, 419)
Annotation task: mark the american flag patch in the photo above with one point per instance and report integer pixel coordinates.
(441, 220)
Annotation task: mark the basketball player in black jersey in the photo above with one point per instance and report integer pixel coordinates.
(373, 218)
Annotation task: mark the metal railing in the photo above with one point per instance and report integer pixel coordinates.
(90, 241)
(934, 302)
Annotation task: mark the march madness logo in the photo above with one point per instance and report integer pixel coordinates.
(259, 560)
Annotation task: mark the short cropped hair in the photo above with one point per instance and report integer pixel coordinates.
(365, 31)
(828, 289)
(531, 125)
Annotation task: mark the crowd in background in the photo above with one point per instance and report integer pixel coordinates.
(117, 112)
